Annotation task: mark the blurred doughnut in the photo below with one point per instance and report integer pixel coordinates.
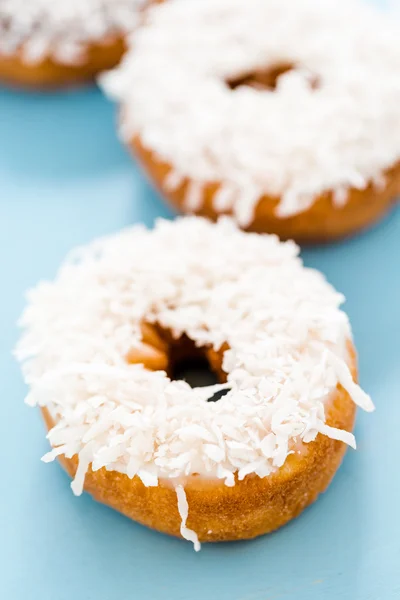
(284, 114)
(52, 43)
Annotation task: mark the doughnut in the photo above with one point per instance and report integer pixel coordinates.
(285, 115)
(227, 461)
(51, 43)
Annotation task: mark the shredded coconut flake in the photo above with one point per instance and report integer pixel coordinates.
(183, 508)
(62, 28)
(292, 143)
(287, 352)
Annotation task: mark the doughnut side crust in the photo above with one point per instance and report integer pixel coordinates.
(250, 508)
(322, 222)
(49, 73)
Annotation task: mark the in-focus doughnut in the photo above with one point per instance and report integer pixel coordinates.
(285, 114)
(48, 43)
(100, 346)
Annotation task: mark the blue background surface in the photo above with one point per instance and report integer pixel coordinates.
(64, 179)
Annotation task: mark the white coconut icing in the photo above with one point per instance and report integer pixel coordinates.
(62, 28)
(332, 123)
(287, 353)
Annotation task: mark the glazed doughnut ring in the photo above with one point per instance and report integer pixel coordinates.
(48, 43)
(99, 350)
(284, 114)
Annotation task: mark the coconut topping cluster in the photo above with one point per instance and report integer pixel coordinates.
(62, 28)
(330, 121)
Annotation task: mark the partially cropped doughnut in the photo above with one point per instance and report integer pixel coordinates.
(284, 114)
(51, 43)
(100, 347)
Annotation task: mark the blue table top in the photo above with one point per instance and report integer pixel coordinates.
(64, 179)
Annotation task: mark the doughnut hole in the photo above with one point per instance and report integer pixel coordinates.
(197, 366)
(180, 358)
(267, 79)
